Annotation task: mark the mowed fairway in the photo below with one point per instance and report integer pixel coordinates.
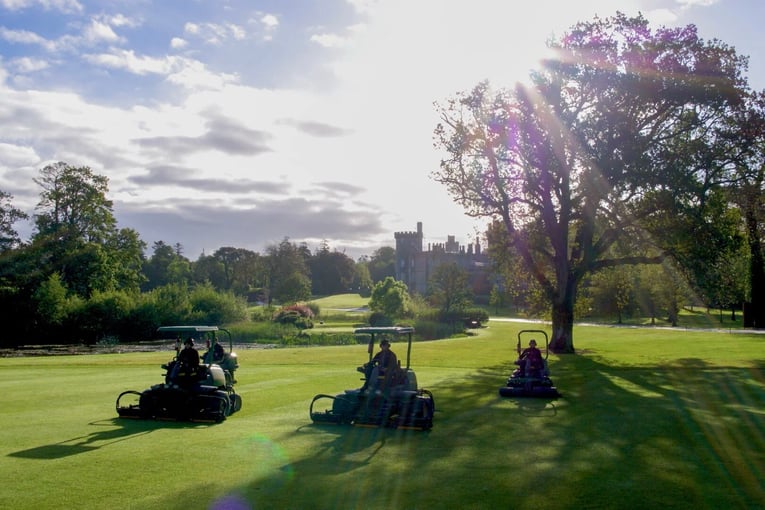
(648, 419)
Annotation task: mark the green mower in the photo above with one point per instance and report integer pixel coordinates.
(532, 377)
(203, 393)
(389, 396)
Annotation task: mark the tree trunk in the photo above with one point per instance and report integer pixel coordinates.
(562, 341)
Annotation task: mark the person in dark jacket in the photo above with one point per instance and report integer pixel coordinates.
(382, 368)
(530, 360)
(187, 366)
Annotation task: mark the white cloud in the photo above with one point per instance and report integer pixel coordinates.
(178, 43)
(58, 5)
(700, 3)
(329, 40)
(363, 6)
(98, 32)
(140, 65)
(215, 33)
(661, 17)
(26, 37)
(29, 65)
(194, 75)
(225, 156)
(120, 20)
(270, 21)
(14, 156)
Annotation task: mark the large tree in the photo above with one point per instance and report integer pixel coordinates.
(241, 268)
(77, 236)
(73, 204)
(382, 264)
(288, 274)
(566, 162)
(449, 288)
(332, 272)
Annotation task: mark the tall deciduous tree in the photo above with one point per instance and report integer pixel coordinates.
(382, 264)
(165, 266)
(73, 204)
(288, 272)
(76, 234)
(566, 162)
(332, 272)
(241, 268)
(449, 288)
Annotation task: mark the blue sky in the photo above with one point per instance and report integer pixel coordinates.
(239, 123)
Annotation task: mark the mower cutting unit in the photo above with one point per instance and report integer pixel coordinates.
(385, 400)
(534, 381)
(204, 393)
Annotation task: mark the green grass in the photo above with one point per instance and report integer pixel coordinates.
(340, 302)
(649, 418)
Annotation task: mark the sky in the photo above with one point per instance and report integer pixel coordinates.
(243, 122)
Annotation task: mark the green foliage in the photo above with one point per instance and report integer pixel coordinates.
(612, 291)
(428, 329)
(288, 272)
(294, 288)
(104, 314)
(379, 319)
(73, 205)
(165, 266)
(332, 272)
(261, 314)
(9, 215)
(170, 302)
(299, 315)
(571, 162)
(449, 288)
(211, 307)
(51, 299)
(475, 314)
(268, 332)
(391, 298)
(362, 279)
(382, 264)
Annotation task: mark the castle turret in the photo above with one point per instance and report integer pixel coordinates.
(408, 245)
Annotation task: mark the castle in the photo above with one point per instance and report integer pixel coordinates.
(414, 266)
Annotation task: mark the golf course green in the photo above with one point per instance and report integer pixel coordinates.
(648, 418)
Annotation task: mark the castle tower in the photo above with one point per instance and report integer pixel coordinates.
(408, 246)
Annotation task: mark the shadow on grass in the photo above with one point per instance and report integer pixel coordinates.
(685, 436)
(107, 432)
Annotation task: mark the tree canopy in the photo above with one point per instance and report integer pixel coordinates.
(622, 115)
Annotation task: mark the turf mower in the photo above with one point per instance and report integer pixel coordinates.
(388, 398)
(202, 394)
(532, 377)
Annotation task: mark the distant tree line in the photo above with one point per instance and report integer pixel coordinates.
(80, 278)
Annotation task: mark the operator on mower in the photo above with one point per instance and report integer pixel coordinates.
(530, 360)
(186, 368)
(215, 352)
(384, 365)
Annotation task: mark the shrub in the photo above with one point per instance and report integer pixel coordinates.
(379, 319)
(298, 315)
(433, 330)
(211, 307)
(474, 317)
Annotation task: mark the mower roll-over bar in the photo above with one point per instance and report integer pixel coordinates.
(373, 332)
